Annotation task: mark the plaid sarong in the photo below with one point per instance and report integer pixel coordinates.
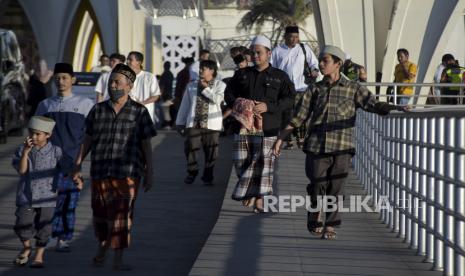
(254, 163)
(112, 207)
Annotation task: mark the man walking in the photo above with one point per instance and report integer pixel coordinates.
(118, 133)
(301, 64)
(330, 107)
(271, 92)
(69, 111)
(146, 90)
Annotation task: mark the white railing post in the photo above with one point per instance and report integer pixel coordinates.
(449, 198)
(422, 182)
(409, 181)
(414, 244)
(431, 139)
(403, 177)
(459, 260)
(438, 264)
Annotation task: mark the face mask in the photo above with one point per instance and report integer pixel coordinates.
(116, 94)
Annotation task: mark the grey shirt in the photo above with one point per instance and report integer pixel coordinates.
(37, 186)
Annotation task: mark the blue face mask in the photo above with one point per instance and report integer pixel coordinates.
(115, 94)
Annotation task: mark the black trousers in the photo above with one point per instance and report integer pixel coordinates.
(207, 139)
(448, 92)
(327, 174)
(30, 221)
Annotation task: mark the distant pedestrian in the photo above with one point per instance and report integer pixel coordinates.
(145, 90)
(204, 54)
(101, 87)
(166, 87)
(301, 65)
(452, 73)
(104, 65)
(40, 86)
(404, 72)
(182, 80)
(354, 71)
(201, 119)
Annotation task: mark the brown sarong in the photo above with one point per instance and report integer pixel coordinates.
(112, 207)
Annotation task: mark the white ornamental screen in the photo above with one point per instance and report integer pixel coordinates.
(176, 47)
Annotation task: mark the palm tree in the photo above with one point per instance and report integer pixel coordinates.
(280, 13)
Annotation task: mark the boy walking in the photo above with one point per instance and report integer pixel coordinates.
(36, 162)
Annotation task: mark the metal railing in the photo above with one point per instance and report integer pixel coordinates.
(395, 91)
(417, 161)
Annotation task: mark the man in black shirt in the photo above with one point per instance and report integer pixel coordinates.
(272, 92)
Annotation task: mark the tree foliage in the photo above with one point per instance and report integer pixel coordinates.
(280, 13)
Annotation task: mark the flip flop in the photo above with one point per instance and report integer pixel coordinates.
(21, 260)
(329, 234)
(98, 262)
(36, 264)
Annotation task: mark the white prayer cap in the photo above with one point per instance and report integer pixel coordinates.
(41, 123)
(333, 50)
(261, 40)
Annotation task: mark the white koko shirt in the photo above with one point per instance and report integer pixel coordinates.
(146, 86)
(291, 60)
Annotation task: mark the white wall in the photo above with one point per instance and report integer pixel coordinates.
(456, 42)
(427, 28)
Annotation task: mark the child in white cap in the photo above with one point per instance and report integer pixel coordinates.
(36, 161)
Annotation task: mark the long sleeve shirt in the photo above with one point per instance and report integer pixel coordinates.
(292, 60)
(271, 86)
(331, 111)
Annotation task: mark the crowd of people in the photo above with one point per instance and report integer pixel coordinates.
(275, 96)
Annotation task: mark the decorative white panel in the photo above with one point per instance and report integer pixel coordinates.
(176, 47)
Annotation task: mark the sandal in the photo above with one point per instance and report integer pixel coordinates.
(248, 202)
(329, 234)
(257, 209)
(21, 260)
(190, 178)
(37, 264)
(98, 261)
(314, 224)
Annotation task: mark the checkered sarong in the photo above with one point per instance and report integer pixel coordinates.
(254, 163)
(112, 209)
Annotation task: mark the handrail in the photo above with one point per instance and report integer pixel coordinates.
(395, 95)
(417, 160)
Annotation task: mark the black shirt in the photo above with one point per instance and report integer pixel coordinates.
(271, 86)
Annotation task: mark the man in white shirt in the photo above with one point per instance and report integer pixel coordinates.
(104, 65)
(300, 63)
(194, 69)
(101, 87)
(146, 90)
(438, 73)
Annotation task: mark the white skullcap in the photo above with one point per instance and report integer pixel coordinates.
(41, 123)
(261, 40)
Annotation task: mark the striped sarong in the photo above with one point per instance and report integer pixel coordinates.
(254, 163)
(112, 209)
